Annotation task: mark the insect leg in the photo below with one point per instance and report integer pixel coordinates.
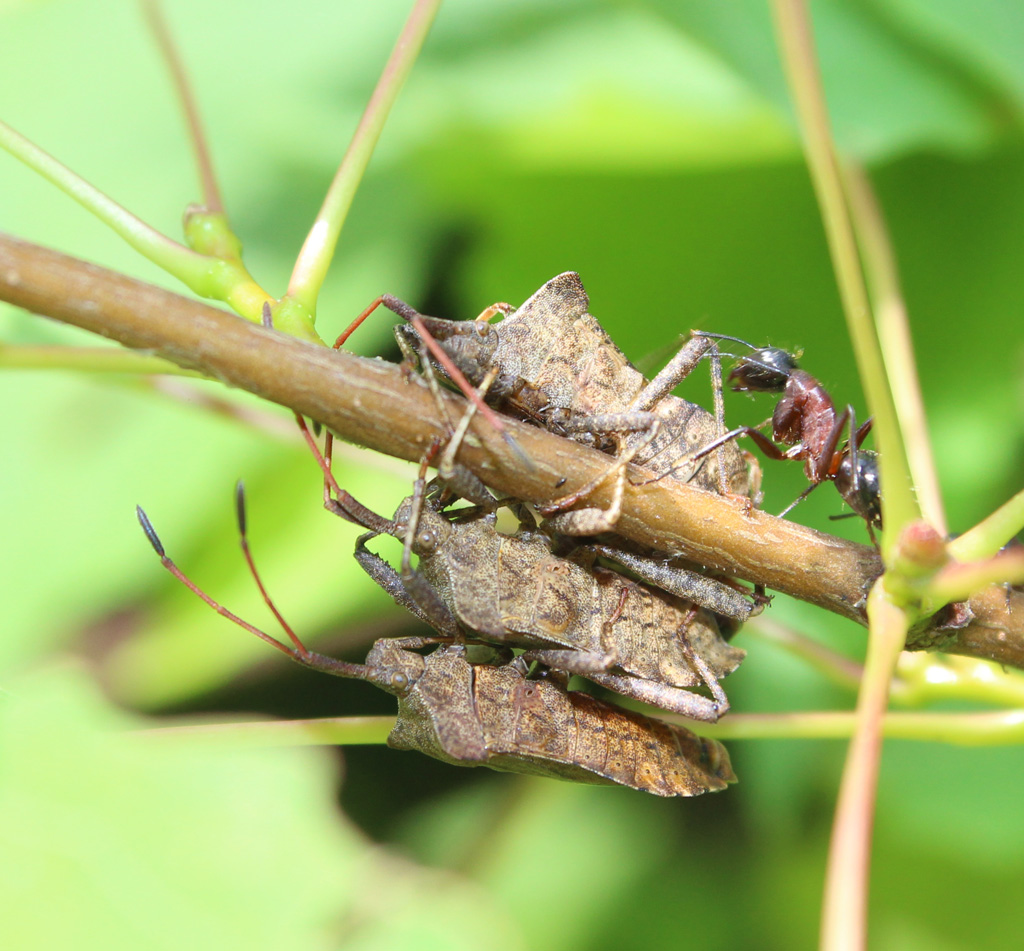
(689, 585)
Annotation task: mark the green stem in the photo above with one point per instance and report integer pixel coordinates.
(959, 581)
(836, 667)
(1002, 728)
(87, 359)
(799, 59)
(179, 79)
(318, 249)
(897, 345)
(844, 916)
(176, 259)
(332, 731)
(225, 280)
(929, 678)
(988, 536)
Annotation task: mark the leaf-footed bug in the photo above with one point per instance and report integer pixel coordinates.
(513, 590)
(492, 715)
(552, 363)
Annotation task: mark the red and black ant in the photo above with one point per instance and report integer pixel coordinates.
(805, 419)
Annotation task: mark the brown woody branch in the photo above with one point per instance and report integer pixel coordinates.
(372, 403)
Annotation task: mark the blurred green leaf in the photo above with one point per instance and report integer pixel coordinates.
(886, 95)
(116, 830)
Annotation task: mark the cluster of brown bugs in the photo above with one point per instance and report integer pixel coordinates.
(493, 714)
(565, 612)
(537, 599)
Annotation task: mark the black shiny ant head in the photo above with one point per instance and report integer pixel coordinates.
(763, 371)
(860, 487)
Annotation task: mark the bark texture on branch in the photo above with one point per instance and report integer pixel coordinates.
(372, 403)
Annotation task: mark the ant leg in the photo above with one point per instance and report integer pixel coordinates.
(719, 402)
(676, 370)
(865, 428)
(803, 495)
(763, 443)
(826, 464)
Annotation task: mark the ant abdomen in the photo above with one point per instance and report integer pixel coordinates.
(860, 487)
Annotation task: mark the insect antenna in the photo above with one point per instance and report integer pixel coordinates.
(299, 653)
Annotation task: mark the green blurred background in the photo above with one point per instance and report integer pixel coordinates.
(651, 147)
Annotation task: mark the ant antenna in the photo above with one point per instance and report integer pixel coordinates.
(705, 333)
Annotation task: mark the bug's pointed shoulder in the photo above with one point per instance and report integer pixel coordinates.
(568, 287)
(563, 296)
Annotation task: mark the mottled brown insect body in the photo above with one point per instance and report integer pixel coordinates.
(559, 368)
(492, 715)
(513, 591)
(483, 715)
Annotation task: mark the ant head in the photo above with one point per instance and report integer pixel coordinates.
(859, 486)
(469, 343)
(395, 669)
(432, 530)
(763, 371)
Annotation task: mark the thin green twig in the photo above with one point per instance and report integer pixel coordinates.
(317, 251)
(989, 535)
(924, 678)
(223, 280)
(894, 330)
(179, 78)
(844, 915)
(1000, 728)
(86, 359)
(331, 731)
(175, 258)
(796, 42)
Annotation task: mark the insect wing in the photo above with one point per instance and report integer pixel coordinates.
(541, 729)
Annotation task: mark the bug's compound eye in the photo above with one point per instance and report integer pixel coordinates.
(426, 540)
(399, 680)
(482, 328)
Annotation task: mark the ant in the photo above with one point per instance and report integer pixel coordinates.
(805, 419)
